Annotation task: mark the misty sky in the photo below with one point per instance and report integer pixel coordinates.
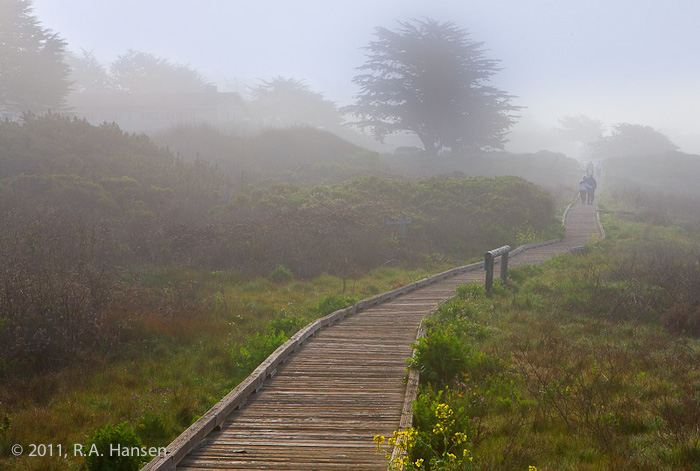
(633, 61)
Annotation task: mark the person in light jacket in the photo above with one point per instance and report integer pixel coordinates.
(583, 190)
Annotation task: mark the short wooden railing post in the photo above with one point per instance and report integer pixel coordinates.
(489, 258)
(488, 266)
(504, 268)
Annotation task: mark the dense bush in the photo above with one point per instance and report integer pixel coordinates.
(281, 274)
(82, 206)
(300, 154)
(100, 451)
(153, 208)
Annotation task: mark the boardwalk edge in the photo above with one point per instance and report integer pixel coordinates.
(214, 417)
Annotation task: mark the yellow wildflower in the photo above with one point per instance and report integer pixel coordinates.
(443, 412)
(379, 440)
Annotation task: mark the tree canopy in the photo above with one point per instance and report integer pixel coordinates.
(141, 72)
(288, 101)
(633, 139)
(33, 74)
(431, 79)
(88, 74)
(580, 129)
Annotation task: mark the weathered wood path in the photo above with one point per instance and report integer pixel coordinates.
(319, 407)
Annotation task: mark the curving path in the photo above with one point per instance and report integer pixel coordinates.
(319, 408)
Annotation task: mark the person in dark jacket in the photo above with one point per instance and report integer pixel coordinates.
(591, 185)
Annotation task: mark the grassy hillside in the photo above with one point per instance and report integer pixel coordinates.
(313, 156)
(586, 363)
(555, 173)
(672, 173)
(662, 188)
(296, 155)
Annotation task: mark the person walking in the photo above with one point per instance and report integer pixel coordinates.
(589, 169)
(591, 185)
(583, 189)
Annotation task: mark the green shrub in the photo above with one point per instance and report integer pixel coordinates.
(287, 325)
(153, 429)
(333, 302)
(281, 274)
(105, 441)
(257, 348)
(471, 291)
(441, 356)
(444, 433)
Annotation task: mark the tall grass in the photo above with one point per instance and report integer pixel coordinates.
(581, 364)
(177, 363)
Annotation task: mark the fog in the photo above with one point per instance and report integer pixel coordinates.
(623, 61)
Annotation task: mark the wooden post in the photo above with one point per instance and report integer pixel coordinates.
(488, 266)
(504, 268)
(489, 258)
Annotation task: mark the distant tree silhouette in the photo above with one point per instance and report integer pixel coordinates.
(431, 79)
(88, 74)
(33, 74)
(284, 101)
(580, 129)
(140, 72)
(633, 139)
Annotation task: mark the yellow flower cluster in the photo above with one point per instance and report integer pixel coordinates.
(443, 412)
(404, 440)
(379, 441)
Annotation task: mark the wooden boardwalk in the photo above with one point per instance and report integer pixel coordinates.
(319, 407)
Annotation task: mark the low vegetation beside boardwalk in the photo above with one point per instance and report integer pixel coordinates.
(586, 363)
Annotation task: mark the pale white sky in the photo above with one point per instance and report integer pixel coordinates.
(633, 61)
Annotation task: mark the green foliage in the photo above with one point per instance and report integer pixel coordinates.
(471, 291)
(141, 73)
(445, 432)
(333, 302)
(107, 438)
(654, 189)
(257, 348)
(284, 324)
(575, 364)
(35, 77)
(299, 154)
(441, 356)
(289, 102)
(260, 345)
(281, 274)
(431, 79)
(152, 208)
(632, 140)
